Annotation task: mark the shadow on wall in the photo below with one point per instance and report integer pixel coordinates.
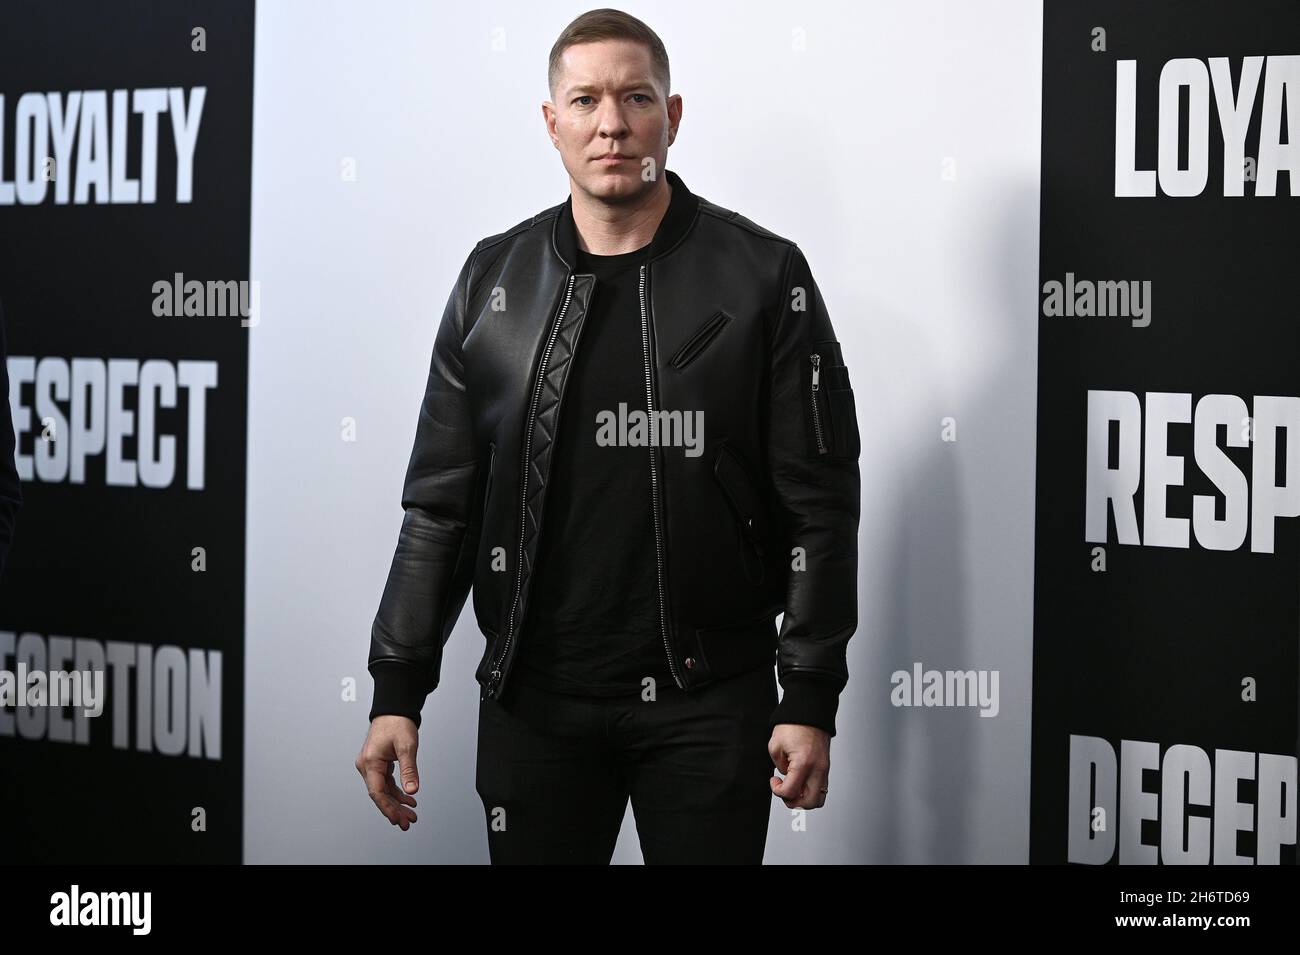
(930, 753)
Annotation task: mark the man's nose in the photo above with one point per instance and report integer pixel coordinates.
(612, 123)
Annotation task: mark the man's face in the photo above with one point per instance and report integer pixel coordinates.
(607, 100)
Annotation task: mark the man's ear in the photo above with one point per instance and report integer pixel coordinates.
(546, 121)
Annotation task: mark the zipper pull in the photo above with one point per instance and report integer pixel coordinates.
(816, 363)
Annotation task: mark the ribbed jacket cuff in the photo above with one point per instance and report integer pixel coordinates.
(399, 690)
(808, 700)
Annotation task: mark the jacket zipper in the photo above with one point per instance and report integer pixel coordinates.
(817, 421)
(523, 507)
(654, 483)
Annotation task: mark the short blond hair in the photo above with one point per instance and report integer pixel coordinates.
(609, 24)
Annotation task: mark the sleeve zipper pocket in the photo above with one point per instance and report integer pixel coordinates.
(816, 410)
(834, 417)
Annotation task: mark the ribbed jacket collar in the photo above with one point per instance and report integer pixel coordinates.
(682, 210)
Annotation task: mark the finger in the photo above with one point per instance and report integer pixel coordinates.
(780, 759)
(390, 786)
(405, 748)
(396, 801)
(392, 809)
(791, 788)
(404, 811)
(386, 804)
(818, 780)
(374, 777)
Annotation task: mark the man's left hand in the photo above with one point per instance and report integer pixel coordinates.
(802, 755)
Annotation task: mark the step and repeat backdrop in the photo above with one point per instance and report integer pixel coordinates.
(1166, 654)
(1167, 587)
(125, 143)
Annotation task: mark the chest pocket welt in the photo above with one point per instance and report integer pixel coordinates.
(747, 505)
(699, 340)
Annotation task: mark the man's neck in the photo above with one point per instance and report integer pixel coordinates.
(605, 229)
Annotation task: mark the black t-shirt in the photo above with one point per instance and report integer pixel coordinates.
(592, 626)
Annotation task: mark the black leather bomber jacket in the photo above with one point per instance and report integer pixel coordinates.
(765, 521)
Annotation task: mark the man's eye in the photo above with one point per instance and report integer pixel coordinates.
(643, 96)
(581, 98)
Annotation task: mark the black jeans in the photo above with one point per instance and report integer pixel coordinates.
(555, 772)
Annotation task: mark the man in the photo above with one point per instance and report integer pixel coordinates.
(638, 444)
(11, 495)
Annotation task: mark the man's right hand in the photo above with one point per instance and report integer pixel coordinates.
(391, 738)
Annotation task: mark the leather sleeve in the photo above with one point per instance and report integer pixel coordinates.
(431, 572)
(813, 449)
(11, 495)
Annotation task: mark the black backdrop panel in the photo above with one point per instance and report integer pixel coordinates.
(1151, 664)
(129, 549)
